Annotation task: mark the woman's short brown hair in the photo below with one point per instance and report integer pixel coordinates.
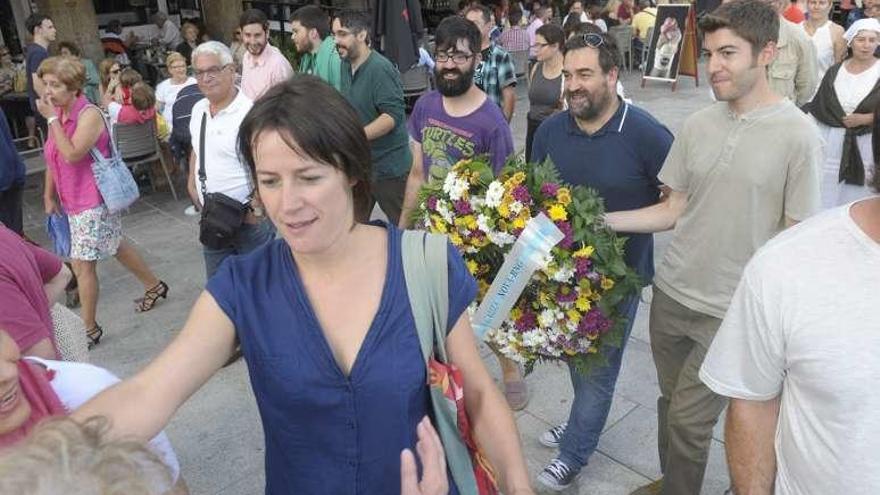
(69, 70)
(104, 70)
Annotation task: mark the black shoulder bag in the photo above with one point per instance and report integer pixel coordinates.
(222, 216)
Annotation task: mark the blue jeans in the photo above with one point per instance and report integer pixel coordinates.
(592, 399)
(249, 237)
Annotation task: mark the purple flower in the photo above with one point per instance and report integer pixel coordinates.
(565, 295)
(521, 194)
(526, 322)
(582, 266)
(462, 207)
(593, 276)
(549, 189)
(567, 241)
(594, 323)
(432, 203)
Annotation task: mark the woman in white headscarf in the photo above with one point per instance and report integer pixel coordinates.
(844, 110)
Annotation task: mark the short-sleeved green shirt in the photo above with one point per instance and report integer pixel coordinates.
(375, 88)
(743, 176)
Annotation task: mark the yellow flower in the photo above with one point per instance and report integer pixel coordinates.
(563, 195)
(439, 224)
(482, 287)
(502, 226)
(570, 352)
(583, 303)
(515, 314)
(456, 239)
(557, 212)
(470, 222)
(472, 266)
(574, 316)
(544, 299)
(519, 223)
(504, 209)
(607, 283)
(584, 252)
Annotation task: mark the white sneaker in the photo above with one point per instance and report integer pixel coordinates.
(553, 436)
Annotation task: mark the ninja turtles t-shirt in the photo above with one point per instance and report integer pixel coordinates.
(446, 139)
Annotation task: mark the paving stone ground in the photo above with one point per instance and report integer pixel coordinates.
(217, 433)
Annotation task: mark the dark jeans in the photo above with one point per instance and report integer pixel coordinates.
(592, 398)
(531, 127)
(389, 194)
(249, 237)
(10, 208)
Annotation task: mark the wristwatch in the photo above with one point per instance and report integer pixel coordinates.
(50, 120)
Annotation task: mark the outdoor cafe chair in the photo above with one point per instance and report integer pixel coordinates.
(138, 144)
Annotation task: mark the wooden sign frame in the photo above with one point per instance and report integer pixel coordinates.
(681, 62)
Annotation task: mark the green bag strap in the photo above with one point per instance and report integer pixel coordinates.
(427, 283)
(428, 288)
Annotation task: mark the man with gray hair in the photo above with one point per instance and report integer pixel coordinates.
(169, 33)
(219, 181)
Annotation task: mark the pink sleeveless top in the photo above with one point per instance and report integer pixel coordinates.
(74, 181)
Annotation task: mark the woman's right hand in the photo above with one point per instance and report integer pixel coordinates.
(50, 205)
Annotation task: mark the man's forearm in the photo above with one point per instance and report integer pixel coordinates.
(655, 218)
(410, 198)
(508, 102)
(749, 436)
(379, 127)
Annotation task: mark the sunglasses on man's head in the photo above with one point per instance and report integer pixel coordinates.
(593, 40)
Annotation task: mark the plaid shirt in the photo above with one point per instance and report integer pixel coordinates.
(495, 72)
(514, 39)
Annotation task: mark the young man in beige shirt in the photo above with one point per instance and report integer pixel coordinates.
(740, 171)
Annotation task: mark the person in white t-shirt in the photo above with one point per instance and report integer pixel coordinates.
(797, 354)
(166, 91)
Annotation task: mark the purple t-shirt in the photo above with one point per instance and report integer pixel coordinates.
(446, 139)
(24, 308)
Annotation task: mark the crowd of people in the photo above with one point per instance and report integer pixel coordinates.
(762, 302)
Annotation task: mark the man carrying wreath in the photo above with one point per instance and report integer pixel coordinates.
(616, 149)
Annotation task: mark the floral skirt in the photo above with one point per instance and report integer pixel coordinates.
(94, 234)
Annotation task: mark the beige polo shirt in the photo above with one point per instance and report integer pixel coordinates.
(793, 73)
(743, 176)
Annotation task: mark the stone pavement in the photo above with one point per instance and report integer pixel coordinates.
(217, 433)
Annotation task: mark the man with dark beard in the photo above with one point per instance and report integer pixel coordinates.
(457, 120)
(617, 149)
(372, 85)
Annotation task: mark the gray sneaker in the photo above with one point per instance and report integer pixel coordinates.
(553, 436)
(557, 476)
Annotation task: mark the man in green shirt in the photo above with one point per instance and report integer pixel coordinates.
(311, 36)
(372, 85)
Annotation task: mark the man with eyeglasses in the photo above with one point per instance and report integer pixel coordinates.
(263, 65)
(617, 149)
(223, 109)
(372, 85)
(457, 120)
(495, 73)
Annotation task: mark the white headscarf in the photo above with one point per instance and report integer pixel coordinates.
(869, 24)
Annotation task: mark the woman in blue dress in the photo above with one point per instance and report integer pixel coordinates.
(323, 319)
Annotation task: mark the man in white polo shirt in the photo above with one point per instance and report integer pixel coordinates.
(222, 111)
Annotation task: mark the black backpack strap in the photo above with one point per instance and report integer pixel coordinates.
(202, 176)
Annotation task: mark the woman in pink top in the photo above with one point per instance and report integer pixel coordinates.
(75, 127)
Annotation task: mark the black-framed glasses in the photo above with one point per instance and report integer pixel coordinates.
(209, 73)
(593, 40)
(457, 58)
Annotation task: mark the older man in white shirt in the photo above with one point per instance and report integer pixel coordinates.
(215, 166)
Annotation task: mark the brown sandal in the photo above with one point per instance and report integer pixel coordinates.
(151, 296)
(94, 335)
